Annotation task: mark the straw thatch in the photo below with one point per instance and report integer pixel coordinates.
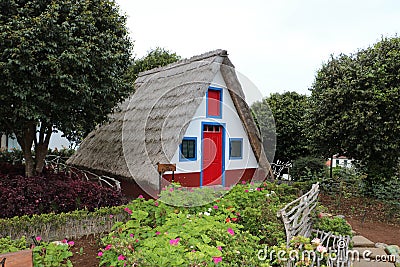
(151, 123)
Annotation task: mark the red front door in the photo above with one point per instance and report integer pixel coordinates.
(212, 155)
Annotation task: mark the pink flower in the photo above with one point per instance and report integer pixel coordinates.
(140, 196)
(171, 189)
(131, 235)
(243, 182)
(111, 216)
(128, 210)
(246, 191)
(65, 241)
(258, 189)
(230, 231)
(252, 183)
(71, 243)
(121, 257)
(137, 240)
(108, 247)
(100, 254)
(174, 242)
(158, 233)
(215, 207)
(193, 250)
(38, 238)
(217, 259)
(219, 248)
(156, 204)
(321, 249)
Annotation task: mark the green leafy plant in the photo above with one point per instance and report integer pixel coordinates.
(335, 225)
(54, 254)
(9, 245)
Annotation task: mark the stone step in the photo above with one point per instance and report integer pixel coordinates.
(363, 242)
(364, 263)
(370, 253)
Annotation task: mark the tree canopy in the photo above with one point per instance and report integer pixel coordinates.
(62, 65)
(157, 57)
(355, 108)
(288, 112)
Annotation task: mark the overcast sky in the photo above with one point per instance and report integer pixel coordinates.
(278, 45)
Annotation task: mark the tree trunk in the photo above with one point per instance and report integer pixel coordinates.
(25, 139)
(41, 147)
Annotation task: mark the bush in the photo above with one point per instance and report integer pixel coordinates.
(228, 231)
(335, 225)
(52, 193)
(308, 168)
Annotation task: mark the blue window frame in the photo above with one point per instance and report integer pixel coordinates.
(188, 149)
(235, 148)
(220, 102)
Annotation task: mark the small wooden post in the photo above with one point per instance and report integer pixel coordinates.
(168, 167)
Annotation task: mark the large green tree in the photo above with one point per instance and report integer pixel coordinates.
(62, 64)
(288, 112)
(355, 108)
(154, 58)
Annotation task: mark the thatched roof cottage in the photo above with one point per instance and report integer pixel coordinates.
(191, 113)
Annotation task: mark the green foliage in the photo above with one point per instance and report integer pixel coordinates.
(52, 225)
(335, 225)
(308, 169)
(225, 232)
(54, 254)
(389, 193)
(288, 110)
(157, 57)
(354, 108)
(14, 156)
(301, 252)
(62, 65)
(9, 245)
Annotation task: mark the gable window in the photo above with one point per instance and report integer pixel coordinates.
(214, 99)
(188, 149)
(235, 148)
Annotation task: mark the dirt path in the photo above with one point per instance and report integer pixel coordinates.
(377, 231)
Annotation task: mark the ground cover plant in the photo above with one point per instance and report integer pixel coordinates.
(45, 254)
(228, 231)
(50, 192)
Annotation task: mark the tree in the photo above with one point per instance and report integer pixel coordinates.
(288, 111)
(157, 57)
(62, 65)
(355, 108)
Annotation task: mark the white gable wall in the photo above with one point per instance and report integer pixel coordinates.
(233, 129)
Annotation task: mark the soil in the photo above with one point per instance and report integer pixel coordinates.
(87, 257)
(367, 218)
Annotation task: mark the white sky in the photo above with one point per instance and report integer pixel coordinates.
(278, 45)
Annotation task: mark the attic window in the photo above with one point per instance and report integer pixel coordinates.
(214, 99)
(188, 149)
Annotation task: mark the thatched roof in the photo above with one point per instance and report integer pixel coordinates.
(151, 123)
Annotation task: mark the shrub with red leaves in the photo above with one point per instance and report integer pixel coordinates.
(51, 192)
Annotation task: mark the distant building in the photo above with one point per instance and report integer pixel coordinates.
(340, 161)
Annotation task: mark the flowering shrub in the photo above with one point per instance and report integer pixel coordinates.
(54, 254)
(196, 240)
(226, 231)
(52, 193)
(45, 254)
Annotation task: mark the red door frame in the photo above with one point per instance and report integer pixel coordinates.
(216, 166)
